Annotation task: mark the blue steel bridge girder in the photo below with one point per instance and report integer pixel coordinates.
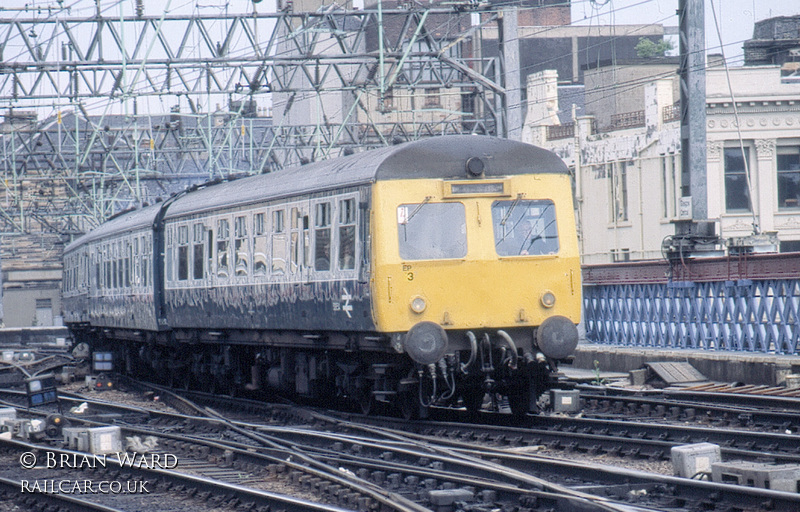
(755, 309)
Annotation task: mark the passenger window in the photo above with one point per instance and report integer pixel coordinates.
(98, 274)
(300, 240)
(347, 234)
(306, 262)
(322, 237)
(146, 261)
(279, 254)
(240, 247)
(114, 267)
(120, 265)
(210, 252)
(107, 282)
(137, 264)
(431, 231)
(128, 260)
(259, 245)
(222, 248)
(183, 253)
(198, 261)
(525, 227)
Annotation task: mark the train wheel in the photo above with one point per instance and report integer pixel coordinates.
(408, 405)
(365, 399)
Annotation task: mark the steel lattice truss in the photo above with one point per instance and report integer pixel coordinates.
(108, 113)
(748, 315)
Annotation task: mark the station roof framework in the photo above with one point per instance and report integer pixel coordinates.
(112, 111)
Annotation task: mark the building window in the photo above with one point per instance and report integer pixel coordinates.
(790, 246)
(386, 103)
(620, 255)
(788, 178)
(432, 97)
(618, 180)
(737, 194)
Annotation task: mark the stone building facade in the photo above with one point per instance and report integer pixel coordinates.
(628, 176)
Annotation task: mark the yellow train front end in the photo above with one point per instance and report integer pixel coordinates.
(478, 281)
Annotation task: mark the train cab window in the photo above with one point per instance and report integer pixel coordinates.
(240, 246)
(347, 234)
(259, 245)
(432, 231)
(198, 235)
(279, 253)
(524, 227)
(183, 253)
(223, 232)
(322, 237)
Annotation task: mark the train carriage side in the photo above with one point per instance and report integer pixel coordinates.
(108, 278)
(289, 263)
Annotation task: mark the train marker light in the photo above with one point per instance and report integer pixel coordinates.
(548, 299)
(418, 304)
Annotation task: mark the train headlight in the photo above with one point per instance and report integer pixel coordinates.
(548, 299)
(418, 304)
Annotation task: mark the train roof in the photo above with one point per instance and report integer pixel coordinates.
(133, 220)
(435, 157)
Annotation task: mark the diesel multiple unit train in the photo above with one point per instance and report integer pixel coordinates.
(425, 273)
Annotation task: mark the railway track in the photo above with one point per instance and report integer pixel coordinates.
(330, 447)
(363, 463)
(94, 485)
(619, 436)
(761, 412)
